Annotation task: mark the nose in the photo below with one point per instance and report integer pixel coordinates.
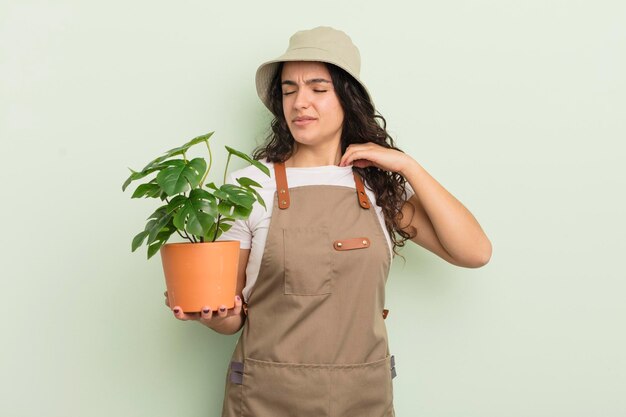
(302, 99)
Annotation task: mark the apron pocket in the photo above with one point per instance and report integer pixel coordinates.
(308, 261)
(362, 390)
(273, 389)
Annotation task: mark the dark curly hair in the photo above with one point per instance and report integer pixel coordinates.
(360, 125)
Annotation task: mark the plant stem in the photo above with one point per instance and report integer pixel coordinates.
(217, 227)
(210, 163)
(226, 168)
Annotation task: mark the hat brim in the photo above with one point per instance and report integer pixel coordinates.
(266, 71)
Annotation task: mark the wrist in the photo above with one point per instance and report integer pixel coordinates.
(408, 165)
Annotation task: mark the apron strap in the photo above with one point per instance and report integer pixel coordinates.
(282, 188)
(360, 191)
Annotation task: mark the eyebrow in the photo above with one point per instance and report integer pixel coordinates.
(307, 82)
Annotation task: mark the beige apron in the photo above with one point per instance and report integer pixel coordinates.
(315, 343)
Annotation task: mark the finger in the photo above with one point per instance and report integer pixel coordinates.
(353, 155)
(206, 313)
(180, 314)
(238, 304)
(345, 157)
(222, 312)
(362, 163)
(356, 151)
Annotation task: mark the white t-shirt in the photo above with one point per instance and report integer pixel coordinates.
(252, 233)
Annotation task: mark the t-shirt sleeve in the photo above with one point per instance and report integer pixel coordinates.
(240, 229)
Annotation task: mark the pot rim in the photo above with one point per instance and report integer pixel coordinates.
(200, 243)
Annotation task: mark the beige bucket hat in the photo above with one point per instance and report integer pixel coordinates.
(323, 44)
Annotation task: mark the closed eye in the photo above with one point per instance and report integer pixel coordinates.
(317, 91)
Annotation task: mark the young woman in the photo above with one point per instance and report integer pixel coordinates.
(341, 200)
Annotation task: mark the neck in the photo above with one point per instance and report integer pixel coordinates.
(310, 156)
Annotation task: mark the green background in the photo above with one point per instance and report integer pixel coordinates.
(517, 108)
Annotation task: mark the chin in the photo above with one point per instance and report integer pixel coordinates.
(304, 140)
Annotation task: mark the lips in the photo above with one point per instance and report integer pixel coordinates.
(303, 120)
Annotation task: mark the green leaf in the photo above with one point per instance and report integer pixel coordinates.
(238, 195)
(197, 212)
(159, 213)
(159, 223)
(180, 175)
(150, 189)
(220, 194)
(134, 176)
(234, 211)
(224, 227)
(158, 229)
(210, 235)
(248, 184)
(196, 140)
(138, 240)
(225, 208)
(161, 238)
(176, 202)
(156, 164)
(242, 212)
(178, 150)
(259, 198)
(183, 149)
(154, 248)
(249, 159)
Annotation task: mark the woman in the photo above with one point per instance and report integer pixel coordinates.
(310, 292)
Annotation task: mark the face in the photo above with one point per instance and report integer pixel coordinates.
(310, 104)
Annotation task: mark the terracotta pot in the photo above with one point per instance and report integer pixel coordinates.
(201, 274)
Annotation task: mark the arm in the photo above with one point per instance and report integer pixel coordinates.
(434, 217)
(224, 321)
(442, 224)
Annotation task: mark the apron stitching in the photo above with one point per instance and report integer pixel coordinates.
(331, 366)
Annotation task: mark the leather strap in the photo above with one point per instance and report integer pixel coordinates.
(282, 188)
(353, 243)
(360, 192)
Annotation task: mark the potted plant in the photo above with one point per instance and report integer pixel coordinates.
(201, 271)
